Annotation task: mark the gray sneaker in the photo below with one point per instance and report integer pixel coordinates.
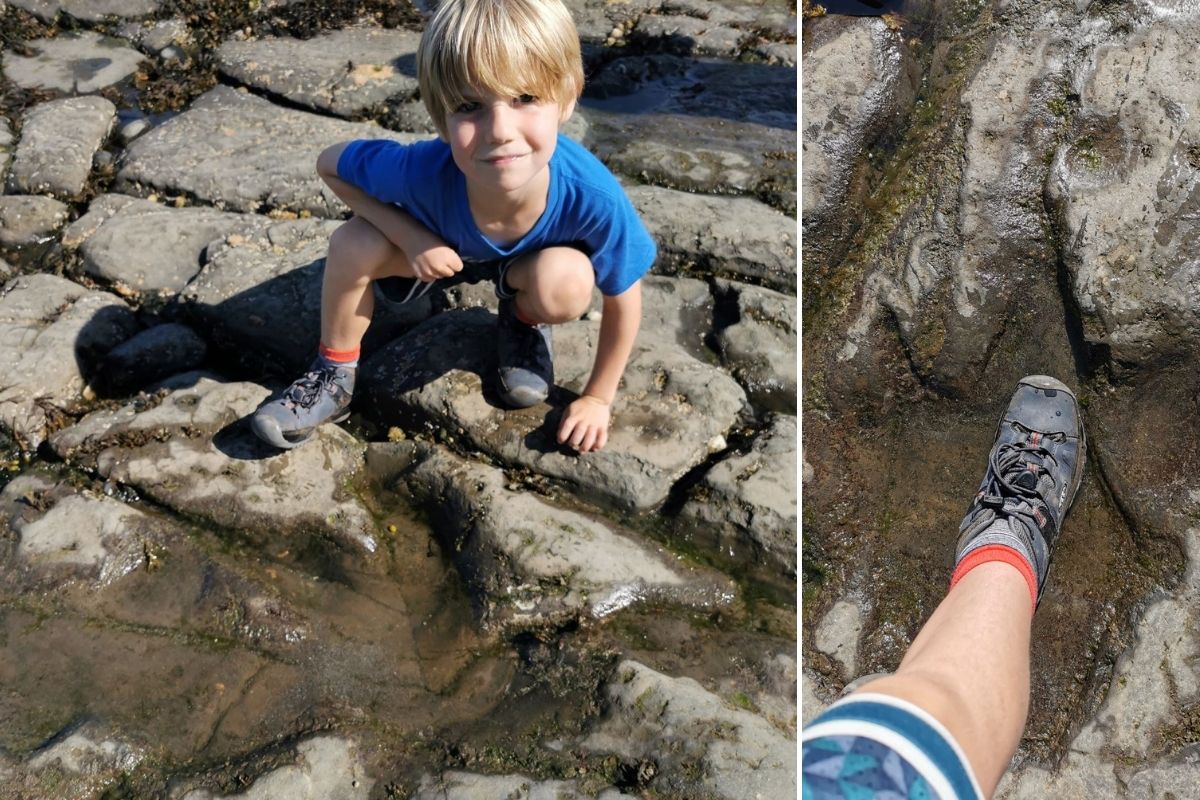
(321, 395)
(526, 359)
(1033, 472)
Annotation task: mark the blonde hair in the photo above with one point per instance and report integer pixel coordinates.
(506, 47)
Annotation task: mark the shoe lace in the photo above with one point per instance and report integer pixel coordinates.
(307, 389)
(1016, 471)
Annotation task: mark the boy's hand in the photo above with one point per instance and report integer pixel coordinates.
(434, 260)
(585, 425)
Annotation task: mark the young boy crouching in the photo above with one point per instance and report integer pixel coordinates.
(501, 195)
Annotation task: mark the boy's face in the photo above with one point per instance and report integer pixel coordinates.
(503, 144)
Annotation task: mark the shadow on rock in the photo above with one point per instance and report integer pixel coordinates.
(236, 440)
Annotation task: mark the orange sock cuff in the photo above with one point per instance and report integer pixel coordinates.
(339, 356)
(998, 552)
(522, 316)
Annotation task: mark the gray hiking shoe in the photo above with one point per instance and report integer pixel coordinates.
(1033, 472)
(320, 395)
(526, 359)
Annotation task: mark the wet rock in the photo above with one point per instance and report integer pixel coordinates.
(57, 144)
(144, 247)
(856, 84)
(710, 235)
(52, 334)
(700, 744)
(536, 564)
(777, 53)
(767, 686)
(344, 72)
(709, 126)
(6, 140)
(29, 219)
(238, 151)
(1124, 192)
(810, 704)
(63, 535)
(670, 411)
(153, 37)
(412, 116)
(131, 128)
(77, 63)
(152, 355)
(194, 453)
(690, 35)
(746, 504)
(760, 347)
(326, 768)
(837, 635)
(81, 761)
(89, 10)
(458, 785)
(258, 298)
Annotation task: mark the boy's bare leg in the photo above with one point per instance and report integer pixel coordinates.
(358, 255)
(969, 667)
(552, 285)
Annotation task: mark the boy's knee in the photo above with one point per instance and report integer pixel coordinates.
(358, 246)
(564, 284)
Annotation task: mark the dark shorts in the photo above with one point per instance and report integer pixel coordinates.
(404, 290)
(877, 746)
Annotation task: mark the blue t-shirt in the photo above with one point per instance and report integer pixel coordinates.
(586, 207)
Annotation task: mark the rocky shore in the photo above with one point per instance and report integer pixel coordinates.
(433, 600)
(993, 190)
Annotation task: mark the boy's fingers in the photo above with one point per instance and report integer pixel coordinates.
(589, 442)
(564, 430)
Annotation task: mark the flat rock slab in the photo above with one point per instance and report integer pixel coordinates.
(238, 151)
(747, 502)
(57, 144)
(154, 36)
(343, 72)
(535, 564)
(458, 785)
(29, 219)
(326, 768)
(89, 10)
(63, 535)
(1137, 738)
(692, 35)
(1132, 273)
(855, 85)
(78, 63)
(144, 247)
(677, 722)
(193, 453)
(760, 347)
(734, 237)
(52, 334)
(258, 298)
(653, 117)
(670, 414)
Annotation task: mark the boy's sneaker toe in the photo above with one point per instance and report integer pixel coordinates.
(526, 359)
(321, 395)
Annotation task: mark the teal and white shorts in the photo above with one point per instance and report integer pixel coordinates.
(878, 747)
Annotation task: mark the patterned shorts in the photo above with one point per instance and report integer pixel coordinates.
(877, 747)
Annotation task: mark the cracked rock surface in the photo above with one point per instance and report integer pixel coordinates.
(432, 598)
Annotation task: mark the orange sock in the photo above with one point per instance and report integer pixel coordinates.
(997, 552)
(339, 356)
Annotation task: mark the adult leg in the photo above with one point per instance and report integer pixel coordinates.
(969, 667)
(962, 689)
